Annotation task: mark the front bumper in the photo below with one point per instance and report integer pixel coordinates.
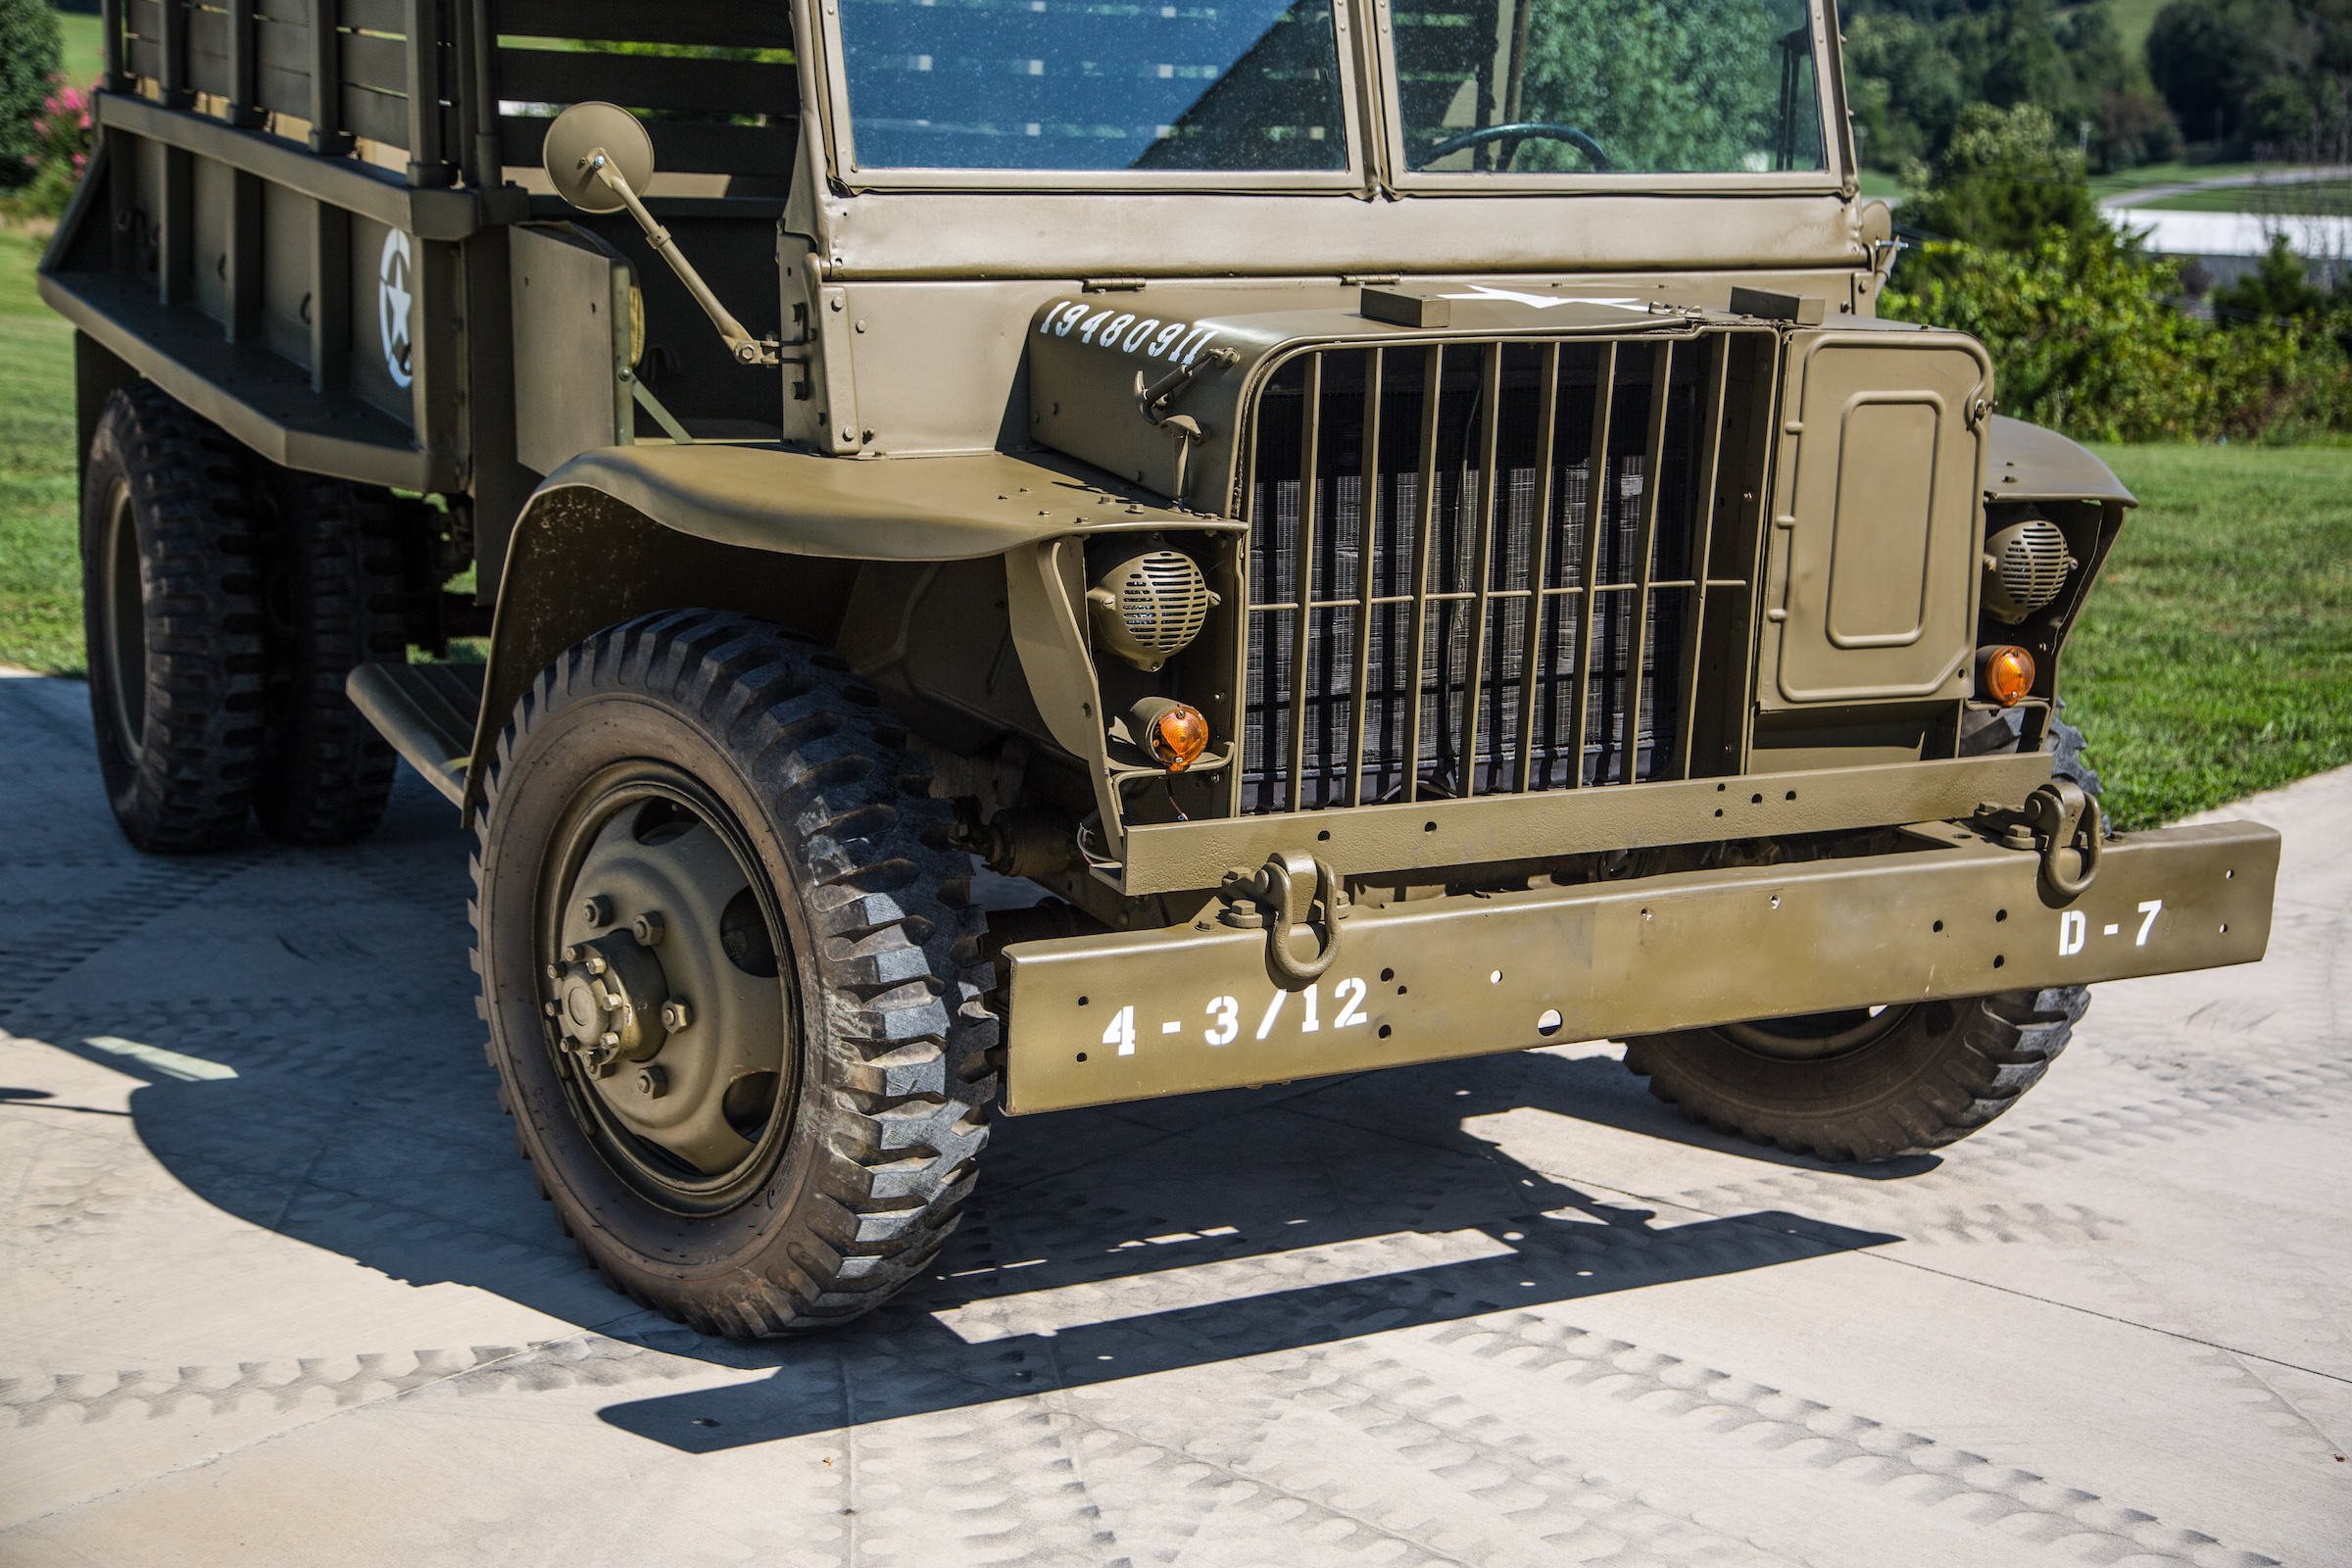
(1130, 1015)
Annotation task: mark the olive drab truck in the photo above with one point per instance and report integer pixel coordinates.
(974, 557)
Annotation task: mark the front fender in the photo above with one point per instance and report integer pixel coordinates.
(767, 530)
(2027, 462)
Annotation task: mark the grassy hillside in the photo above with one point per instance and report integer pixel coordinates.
(2216, 658)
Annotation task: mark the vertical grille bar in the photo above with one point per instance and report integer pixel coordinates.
(1645, 545)
(1367, 551)
(1530, 652)
(1597, 485)
(1432, 393)
(1703, 550)
(1302, 569)
(1461, 492)
(1480, 583)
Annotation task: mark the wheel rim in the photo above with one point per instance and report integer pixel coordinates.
(665, 987)
(123, 620)
(1816, 1036)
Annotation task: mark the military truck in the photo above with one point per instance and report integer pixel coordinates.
(1387, 534)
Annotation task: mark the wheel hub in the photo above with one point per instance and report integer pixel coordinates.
(662, 990)
(611, 999)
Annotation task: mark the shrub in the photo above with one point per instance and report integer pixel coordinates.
(28, 58)
(2084, 338)
(61, 131)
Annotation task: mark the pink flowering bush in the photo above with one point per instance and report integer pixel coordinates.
(61, 151)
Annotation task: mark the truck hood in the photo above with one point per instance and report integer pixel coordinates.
(1155, 385)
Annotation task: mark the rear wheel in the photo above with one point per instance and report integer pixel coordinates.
(171, 616)
(732, 978)
(1872, 1083)
(334, 601)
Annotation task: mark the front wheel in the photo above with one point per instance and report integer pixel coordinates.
(1872, 1083)
(732, 978)
(1865, 1084)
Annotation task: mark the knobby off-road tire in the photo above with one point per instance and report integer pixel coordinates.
(868, 1151)
(171, 616)
(335, 601)
(1863, 1085)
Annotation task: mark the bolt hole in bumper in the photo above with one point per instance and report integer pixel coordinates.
(1130, 1015)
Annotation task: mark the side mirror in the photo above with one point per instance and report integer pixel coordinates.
(587, 142)
(597, 156)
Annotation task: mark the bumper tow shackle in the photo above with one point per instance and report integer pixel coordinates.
(1275, 888)
(2069, 833)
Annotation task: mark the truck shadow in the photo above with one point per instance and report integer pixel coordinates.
(330, 1095)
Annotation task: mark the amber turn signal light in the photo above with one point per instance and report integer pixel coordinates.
(2004, 674)
(1174, 733)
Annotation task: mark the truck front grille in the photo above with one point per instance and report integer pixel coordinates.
(1463, 602)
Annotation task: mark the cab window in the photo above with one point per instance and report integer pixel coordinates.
(1230, 86)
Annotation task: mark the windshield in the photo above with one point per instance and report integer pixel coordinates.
(1236, 85)
(1623, 86)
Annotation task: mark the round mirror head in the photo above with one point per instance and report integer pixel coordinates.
(578, 134)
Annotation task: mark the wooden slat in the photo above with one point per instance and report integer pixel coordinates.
(376, 116)
(377, 16)
(647, 81)
(329, 134)
(765, 26)
(378, 62)
(681, 147)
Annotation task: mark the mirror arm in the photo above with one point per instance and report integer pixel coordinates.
(747, 349)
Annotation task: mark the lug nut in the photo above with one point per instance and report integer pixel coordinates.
(554, 1009)
(609, 1040)
(571, 955)
(675, 1015)
(648, 927)
(554, 971)
(597, 911)
(652, 1082)
(594, 963)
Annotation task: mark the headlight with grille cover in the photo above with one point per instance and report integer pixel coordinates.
(2024, 565)
(1149, 604)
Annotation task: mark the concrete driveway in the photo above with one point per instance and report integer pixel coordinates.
(275, 1289)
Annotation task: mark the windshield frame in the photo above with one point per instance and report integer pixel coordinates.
(840, 148)
(1827, 94)
(1364, 38)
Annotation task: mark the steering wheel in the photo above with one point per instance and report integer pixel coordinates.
(1517, 131)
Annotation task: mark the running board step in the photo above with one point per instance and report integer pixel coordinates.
(428, 713)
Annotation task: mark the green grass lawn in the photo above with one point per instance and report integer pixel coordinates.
(82, 55)
(2303, 198)
(2216, 658)
(2148, 176)
(40, 598)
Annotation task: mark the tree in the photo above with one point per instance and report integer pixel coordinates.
(2028, 66)
(1692, 85)
(28, 58)
(2278, 289)
(1906, 88)
(2005, 180)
